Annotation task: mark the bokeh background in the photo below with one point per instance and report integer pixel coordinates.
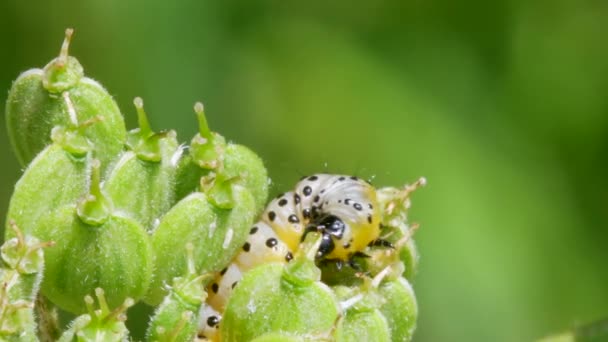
(502, 105)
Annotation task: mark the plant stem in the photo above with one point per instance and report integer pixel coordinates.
(48, 322)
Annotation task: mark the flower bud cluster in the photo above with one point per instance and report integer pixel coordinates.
(135, 216)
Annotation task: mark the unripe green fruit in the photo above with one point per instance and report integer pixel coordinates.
(216, 233)
(142, 180)
(361, 320)
(176, 318)
(24, 255)
(408, 254)
(56, 177)
(242, 163)
(17, 322)
(115, 255)
(94, 248)
(394, 204)
(35, 105)
(400, 308)
(403, 255)
(91, 100)
(363, 326)
(20, 275)
(280, 298)
(99, 325)
(264, 302)
(210, 152)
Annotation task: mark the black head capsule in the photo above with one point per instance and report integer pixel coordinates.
(326, 247)
(331, 225)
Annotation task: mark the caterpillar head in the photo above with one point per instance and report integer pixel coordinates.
(343, 209)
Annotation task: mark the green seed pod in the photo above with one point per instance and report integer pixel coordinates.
(210, 152)
(20, 276)
(176, 318)
(281, 298)
(206, 148)
(17, 321)
(363, 326)
(101, 325)
(242, 163)
(34, 106)
(408, 254)
(91, 100)
(394, 204)
(400, 308)
(403, 255)
(141, 182)
(94, 248)
(24, 255)
(362, 319)
(217, 223)
(56, 177)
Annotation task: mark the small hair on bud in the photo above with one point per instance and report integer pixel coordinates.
(12, 243)
(228, 238)
(101, 298)
(63, 53)
(408, 235)
(88, 299)
(186, 315)
(198, 107)
(98, 313)
(380, 276)
(190, 259)
(95, 163)
(138, 102)
(71, 109)
(203, 127)
(43, 245)
(20, 304)
(129, 302)
(345, 305)
(422, 181)
(18, 233)
(93, 120)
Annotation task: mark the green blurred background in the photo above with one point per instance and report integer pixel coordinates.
(502, 105)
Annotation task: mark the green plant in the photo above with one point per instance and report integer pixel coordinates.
(136, 217)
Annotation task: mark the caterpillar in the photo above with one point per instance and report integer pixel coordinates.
(344, 209)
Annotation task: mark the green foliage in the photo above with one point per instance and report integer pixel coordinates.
(35, 105)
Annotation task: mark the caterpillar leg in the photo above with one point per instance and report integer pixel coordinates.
(381, 243)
